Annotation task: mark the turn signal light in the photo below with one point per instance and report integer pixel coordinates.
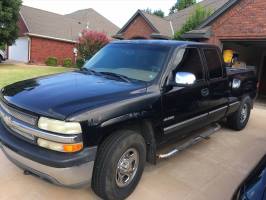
(73, 147)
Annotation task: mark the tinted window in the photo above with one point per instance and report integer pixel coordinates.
(136, 61)
(214, 63)
(189, 61)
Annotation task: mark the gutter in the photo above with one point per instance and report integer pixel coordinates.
(49, 37)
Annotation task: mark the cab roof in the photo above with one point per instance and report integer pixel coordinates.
(170, 43)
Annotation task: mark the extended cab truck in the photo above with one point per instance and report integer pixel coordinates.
(101, 123)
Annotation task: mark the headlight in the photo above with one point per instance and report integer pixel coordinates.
(58, 126)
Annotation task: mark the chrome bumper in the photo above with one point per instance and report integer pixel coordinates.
(75, 176)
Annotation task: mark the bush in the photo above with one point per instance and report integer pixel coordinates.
(199, 15)
(67, 62)
(80, 62)
(90, 42)
(51, 61)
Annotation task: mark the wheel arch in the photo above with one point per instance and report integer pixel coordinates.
(141, 126)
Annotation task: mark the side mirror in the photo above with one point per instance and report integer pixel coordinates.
(185, 78)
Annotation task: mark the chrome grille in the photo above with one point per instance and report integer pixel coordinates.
(18, 114)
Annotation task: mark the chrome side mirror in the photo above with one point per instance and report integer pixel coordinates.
(185, 78)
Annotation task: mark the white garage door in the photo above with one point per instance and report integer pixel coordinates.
(19, 50)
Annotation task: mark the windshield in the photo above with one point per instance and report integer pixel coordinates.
(134, 61)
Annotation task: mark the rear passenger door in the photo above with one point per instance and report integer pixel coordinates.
(217, 83)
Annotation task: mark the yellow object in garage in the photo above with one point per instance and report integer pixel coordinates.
(228, 56)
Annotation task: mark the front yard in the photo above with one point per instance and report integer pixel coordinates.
(10, 73)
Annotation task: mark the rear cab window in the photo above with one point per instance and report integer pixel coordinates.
(214, 63)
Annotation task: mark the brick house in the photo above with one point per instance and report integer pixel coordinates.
(147, 26)
(43, 34)
(238, 25)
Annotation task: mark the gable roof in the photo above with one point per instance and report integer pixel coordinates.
(159, 25)
(218, 12)
(180, 17)
(46, 24)
(94, 21)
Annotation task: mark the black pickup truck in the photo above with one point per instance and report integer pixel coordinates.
(100, 124)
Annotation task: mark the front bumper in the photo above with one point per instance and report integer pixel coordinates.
(65, 169)
(75, 176)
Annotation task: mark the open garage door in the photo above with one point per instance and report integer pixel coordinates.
(253, 54)
(19, 51)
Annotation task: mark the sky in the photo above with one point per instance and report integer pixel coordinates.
(118, 11)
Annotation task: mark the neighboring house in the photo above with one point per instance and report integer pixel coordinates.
(145, 26)
(43, 34)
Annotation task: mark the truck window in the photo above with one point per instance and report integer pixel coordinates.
(214, 63)
(190, 61)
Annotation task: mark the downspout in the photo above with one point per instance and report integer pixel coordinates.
(172, 29)
(29, 49)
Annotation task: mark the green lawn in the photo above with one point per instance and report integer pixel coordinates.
(10, 73)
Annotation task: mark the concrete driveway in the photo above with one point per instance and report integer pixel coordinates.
(209, 170)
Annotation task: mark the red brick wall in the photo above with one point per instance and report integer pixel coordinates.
(138, 28)
(22, 27)
(246, 20)
(42, 48)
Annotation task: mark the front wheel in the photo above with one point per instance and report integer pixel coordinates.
(240, 118)
(119, 165)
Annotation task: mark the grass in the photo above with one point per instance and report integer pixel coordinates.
(11, 73)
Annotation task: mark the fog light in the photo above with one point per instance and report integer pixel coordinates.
(69, 148)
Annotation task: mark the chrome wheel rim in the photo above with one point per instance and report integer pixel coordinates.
(127, 167)
(244, 113)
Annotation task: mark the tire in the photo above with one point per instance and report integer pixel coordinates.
(238, 120)
(121, 144)
(1, 59)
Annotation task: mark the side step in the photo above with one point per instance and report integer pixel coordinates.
(198, 136)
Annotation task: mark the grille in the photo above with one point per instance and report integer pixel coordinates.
(18, 114)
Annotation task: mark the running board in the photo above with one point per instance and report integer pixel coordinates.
(200, 135)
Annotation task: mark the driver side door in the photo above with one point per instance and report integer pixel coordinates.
(185, 108)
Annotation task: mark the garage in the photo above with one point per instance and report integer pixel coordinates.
(19, 51)
(252, 55)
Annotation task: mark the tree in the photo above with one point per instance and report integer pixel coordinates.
(199, 15)
(158, 12)
(90, 42)
(147, 10)
(181, 4)
(9, 15)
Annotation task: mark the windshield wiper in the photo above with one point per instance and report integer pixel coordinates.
(88, 70)
(122, 77)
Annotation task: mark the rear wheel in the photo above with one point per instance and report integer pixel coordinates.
(240, 118)
(1, 59)
(119, 165)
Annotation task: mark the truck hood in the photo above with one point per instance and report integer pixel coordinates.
(61, 95)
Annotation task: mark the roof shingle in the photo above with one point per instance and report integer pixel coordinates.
(52, 25)
(180, 17)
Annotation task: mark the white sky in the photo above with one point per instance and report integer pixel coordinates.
(118, 11)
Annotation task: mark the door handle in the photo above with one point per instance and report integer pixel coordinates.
(205, 92)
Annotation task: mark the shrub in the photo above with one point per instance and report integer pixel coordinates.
(90, 42)
(67, 62)
(51, 61)
(199, 15)
(80, 62)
